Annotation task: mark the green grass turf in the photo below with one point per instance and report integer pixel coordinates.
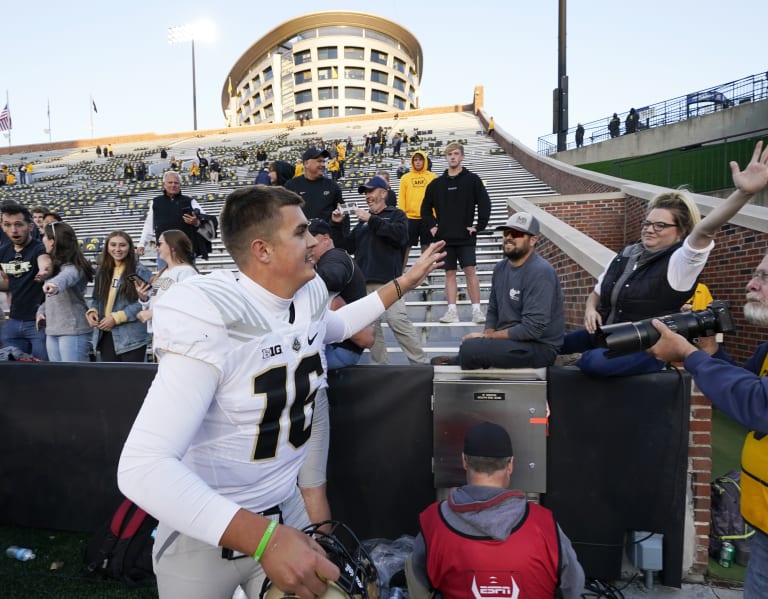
(727, 439)
(22, 580)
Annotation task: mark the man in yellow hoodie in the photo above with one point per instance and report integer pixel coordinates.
(413, 184)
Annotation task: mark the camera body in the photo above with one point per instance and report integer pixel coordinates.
(629, 337)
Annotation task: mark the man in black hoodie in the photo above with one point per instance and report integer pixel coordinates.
(448, 212)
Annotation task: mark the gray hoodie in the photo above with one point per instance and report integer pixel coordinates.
(497, 522)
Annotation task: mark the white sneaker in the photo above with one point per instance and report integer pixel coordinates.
(449, 317)
(477, 316)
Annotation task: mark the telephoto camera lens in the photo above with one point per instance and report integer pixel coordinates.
(630, 337)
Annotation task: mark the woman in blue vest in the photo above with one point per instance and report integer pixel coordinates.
(657, 275)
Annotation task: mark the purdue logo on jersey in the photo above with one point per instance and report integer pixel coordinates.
(271, 352)
(296, 344)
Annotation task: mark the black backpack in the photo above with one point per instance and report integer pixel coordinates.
(727, 523)
(122, 548)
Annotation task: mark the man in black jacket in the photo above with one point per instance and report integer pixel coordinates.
(377, 242)
(320, 194)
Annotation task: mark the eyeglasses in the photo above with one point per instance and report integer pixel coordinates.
(760, 275)
(657, 227)
(514, 233)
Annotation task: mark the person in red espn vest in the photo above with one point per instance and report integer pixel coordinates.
(487, 540)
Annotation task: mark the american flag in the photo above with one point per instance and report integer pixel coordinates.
(5, 119)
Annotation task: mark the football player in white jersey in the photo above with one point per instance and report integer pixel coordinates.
(216, 447)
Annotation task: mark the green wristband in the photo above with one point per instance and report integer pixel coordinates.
(265, 540)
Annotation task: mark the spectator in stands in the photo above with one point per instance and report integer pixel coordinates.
(525, 323)
(341, 156)
(175, 165)
(25, 265)
(448, 211)
(377, 242)
(261, 156)
(630, 123)
(98, 151)
(118, 335)
(175, 250)
(203, 162)
(128, 171)
(22, 174)
(163, 153)
(333, 169)
(215, 170)
(194, 171)
(488, 536)
(38, 216)
(52, 217)
(321, 195)
(401, 170)
(658, 274)
(171, 210)
(397, 143)
(391, 195)
(413, 186)
(280, 171)
(62, 315)
(110, 151)
(141, 171)
(345, 283)
(491, 127)
(579, 135)
(613, 125)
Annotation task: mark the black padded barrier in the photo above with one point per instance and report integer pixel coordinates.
(617, 451)
(617, 459)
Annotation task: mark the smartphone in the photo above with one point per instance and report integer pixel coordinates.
(188, 211)
(134, 277)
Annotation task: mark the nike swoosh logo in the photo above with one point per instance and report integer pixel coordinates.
(311, 339)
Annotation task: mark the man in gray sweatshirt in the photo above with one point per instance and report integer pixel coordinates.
(525, 322)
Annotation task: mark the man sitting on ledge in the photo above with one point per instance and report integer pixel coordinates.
(525, 322)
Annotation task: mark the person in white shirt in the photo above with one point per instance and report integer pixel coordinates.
(215, 450)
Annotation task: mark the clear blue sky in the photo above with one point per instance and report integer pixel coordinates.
(617, 58)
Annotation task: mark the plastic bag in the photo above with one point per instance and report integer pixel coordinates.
(389, 558)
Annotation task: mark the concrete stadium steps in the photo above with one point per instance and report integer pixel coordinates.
(99, 202)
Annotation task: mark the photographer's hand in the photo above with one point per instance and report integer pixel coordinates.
(671, 347)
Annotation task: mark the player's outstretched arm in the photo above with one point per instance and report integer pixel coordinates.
(294, 562)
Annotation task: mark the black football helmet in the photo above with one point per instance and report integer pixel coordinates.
(357, 578)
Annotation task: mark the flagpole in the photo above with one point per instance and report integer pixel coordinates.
(8, 105)
(90, 111)
(50, 139)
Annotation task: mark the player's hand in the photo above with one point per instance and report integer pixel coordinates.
(296, 564)
(430, 259)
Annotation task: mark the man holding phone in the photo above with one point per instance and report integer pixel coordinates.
(171, 210)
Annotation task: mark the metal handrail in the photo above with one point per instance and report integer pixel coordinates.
(749, 89)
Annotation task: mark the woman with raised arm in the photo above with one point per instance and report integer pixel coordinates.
(657, 275)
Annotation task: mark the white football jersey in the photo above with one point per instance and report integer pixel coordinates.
(251, 442)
